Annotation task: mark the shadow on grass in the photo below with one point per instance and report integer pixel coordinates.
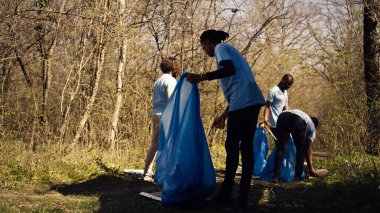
(120, 193)
(116, 193)
(324, 197)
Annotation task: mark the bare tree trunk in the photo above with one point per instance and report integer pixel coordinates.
(22, 67)
(5, 81)
(120, 75)
(168, 24)
(74, 79)
(89, 105)
(98, 70)
(35, 102)
(372, 73)
(77, 77)
(46, 54)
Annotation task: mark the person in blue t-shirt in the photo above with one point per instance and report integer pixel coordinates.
(163, 87)
(277, 101)
(302, 127)
(244, 100)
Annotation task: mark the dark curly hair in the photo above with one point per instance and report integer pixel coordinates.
(315, 121)
(214, 35)
(170, 64)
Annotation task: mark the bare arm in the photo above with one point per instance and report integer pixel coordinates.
(266, 113)
(268, 104)
(309, 159)
(220, 121)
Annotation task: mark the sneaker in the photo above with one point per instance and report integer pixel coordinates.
(148, 178)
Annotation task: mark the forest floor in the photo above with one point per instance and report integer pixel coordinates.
(87, 185)
(120, 193)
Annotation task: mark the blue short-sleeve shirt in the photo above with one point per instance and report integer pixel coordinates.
(162, 86)
(310, 128)
(240, 89)
(278, 98)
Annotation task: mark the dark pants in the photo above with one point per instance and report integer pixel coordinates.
(241, 126)
(290, 123)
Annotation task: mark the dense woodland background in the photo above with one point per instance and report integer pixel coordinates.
(77, 75)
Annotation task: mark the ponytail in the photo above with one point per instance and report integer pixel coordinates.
(214, 35)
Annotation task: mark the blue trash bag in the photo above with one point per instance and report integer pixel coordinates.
(260, 150)
(288, 164)
(184, 169)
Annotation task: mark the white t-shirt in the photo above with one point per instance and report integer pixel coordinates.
(239, 89)
(278, 98)
(310, 128)
(163, 85)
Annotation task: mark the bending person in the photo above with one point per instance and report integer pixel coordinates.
(302, 127)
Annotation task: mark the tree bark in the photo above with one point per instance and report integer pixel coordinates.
(120, 75)
(22, 67)
(371, 73)
(46, 54)
(98, 70)
(77, 78)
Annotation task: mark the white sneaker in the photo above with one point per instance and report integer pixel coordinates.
(148, 178)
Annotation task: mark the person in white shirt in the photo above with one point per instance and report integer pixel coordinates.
(163, 87)
(244, 100)
(277, 101)
(302, 127)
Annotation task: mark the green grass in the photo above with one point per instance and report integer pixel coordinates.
(50, 202)
(93, 182)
